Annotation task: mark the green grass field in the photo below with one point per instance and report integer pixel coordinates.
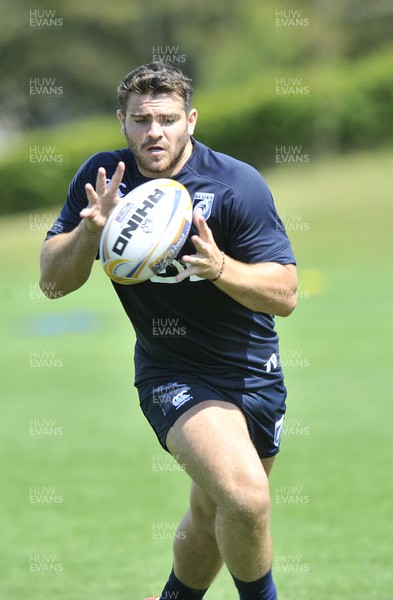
(89, 499)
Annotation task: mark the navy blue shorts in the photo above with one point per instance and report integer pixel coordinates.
(164, 400)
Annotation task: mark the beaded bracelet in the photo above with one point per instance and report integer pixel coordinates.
(222, 268)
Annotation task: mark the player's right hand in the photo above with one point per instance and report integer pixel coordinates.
(102, 199)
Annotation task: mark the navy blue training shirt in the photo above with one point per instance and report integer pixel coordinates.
(192, 327)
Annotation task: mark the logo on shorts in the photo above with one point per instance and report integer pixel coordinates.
(205, 203)
(171, 395)
(271, 363)
(181, 398)
(278, 431)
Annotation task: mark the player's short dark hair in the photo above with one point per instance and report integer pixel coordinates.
(156, 78)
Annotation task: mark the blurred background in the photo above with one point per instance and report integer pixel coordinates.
(302, 90)
(266, 74)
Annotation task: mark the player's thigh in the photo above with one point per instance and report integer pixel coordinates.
(213, 442)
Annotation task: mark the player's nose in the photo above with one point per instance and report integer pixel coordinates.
(155, 130)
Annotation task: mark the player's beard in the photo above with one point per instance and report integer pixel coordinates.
(157, 164)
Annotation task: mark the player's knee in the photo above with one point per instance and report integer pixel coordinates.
(248, 498)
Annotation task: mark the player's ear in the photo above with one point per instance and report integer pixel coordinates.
(192, 119)
(121, 116)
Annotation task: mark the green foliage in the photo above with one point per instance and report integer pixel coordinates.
(367, 108)
(345, 107)
(334, 109)
(37, 173)
(95, 43)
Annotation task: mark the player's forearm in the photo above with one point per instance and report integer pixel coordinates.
(66, 261)
(264, 287)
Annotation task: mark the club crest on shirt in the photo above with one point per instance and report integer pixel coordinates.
(205, 203)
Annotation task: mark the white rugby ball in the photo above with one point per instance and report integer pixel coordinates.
(145, 231)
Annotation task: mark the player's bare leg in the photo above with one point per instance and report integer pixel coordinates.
(231, 474)
(197, 558)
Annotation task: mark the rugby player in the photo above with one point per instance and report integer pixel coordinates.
(214, 394)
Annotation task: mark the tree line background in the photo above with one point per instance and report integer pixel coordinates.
(308, 74)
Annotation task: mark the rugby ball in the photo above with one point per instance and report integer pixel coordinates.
(145, 231)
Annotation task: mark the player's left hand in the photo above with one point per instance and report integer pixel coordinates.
(207, 260)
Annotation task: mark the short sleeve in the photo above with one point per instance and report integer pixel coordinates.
(257, 233)
(76, 199)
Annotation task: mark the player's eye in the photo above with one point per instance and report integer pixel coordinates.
(168, 119)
